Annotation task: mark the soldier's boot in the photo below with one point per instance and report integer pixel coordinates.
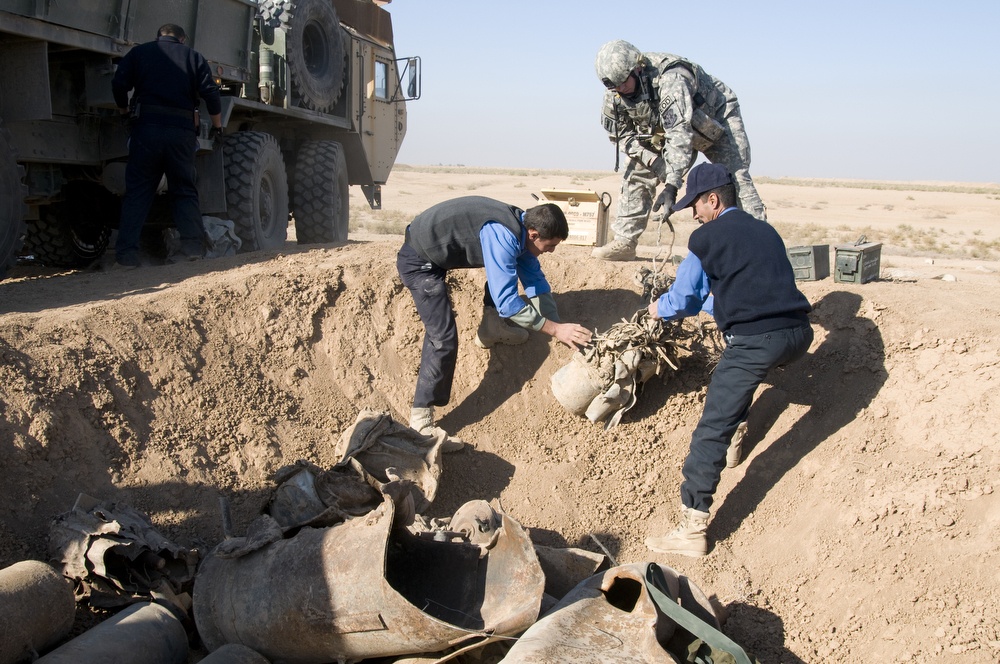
(734, 455)
(618, 249)
(422, 421)
(689, 538)
(494, 330)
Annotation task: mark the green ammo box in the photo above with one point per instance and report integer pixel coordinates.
(858, 263)
(810, 263)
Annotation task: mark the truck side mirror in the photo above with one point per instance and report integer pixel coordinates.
(409, 76)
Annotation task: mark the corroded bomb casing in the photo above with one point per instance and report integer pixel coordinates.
(364, 589)
(37, 608)
(234, 653)
(611, 617)
(146, 633)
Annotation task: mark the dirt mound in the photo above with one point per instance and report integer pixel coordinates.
(862, 526)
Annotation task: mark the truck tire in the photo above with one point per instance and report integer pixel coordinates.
(73, 233)
(316, 55)
(320, 200)
(12, 209)
(275, 13)
(256, 189)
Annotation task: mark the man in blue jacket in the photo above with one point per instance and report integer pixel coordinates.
(763, 317)
(470, 232)
(168, 77)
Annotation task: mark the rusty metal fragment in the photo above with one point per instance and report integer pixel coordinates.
(114, 554)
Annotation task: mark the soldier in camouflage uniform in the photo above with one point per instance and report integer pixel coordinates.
(661, 110)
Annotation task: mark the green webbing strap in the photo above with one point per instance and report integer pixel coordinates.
(656, 584)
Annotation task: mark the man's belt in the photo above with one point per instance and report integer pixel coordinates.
(152, 109)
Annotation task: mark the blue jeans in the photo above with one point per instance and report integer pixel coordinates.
(745, 363)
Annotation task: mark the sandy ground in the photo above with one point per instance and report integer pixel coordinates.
(862, 527)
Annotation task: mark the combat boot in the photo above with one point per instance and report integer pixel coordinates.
(616, 250)
(494, 330)
(735, 452)
(687, 539)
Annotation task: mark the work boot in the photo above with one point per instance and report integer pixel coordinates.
(449, 443)
(421, 418)
(422, 421)
(494, 330)
(735, 452)
(618, 249)
(687, 539)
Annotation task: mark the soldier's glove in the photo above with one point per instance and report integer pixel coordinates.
(215, 133)
(666, 198)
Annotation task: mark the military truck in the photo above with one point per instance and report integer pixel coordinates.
(314, 100)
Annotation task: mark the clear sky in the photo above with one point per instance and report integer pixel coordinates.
(887, 90)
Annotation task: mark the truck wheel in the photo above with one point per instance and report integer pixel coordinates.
(74, 232)
(275, 13)
(320, 202)
(256, 189)
(12, 208)
(316, 55)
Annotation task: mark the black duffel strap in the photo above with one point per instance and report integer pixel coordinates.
(656, 584)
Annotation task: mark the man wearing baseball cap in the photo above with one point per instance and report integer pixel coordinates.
(741, 261)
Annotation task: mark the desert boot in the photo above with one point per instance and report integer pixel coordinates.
(616, 250)
(687, 539)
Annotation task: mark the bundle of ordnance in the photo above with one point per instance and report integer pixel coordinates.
(602, 382)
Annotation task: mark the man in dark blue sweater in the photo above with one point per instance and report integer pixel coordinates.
(742, 262)
(168, 77)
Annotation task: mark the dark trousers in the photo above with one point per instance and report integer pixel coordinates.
(155, 150)
(426, 282)
(744, 365)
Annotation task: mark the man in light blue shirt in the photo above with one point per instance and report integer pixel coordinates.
(470, 232)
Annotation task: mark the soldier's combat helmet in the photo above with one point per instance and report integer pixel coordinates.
(615, 61)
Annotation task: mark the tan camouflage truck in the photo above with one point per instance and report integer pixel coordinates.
(314, 100)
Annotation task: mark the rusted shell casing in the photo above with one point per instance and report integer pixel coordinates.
(361, 589)
(37, 608)
(146, 633)
(234, 653)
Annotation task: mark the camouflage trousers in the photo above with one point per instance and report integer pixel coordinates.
(639, 183)
(733, 152)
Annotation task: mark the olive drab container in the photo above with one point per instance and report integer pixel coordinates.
(586, 212)
(858, 263)
(810, 263)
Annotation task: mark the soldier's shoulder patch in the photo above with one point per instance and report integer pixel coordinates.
(668, 118)
(665, 102)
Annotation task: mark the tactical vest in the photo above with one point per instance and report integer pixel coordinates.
(447, 234)
(644, 114)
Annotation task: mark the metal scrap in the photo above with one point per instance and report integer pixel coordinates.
(631, 352)
(114, 555)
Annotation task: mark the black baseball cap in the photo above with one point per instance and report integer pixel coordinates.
(703, 177)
